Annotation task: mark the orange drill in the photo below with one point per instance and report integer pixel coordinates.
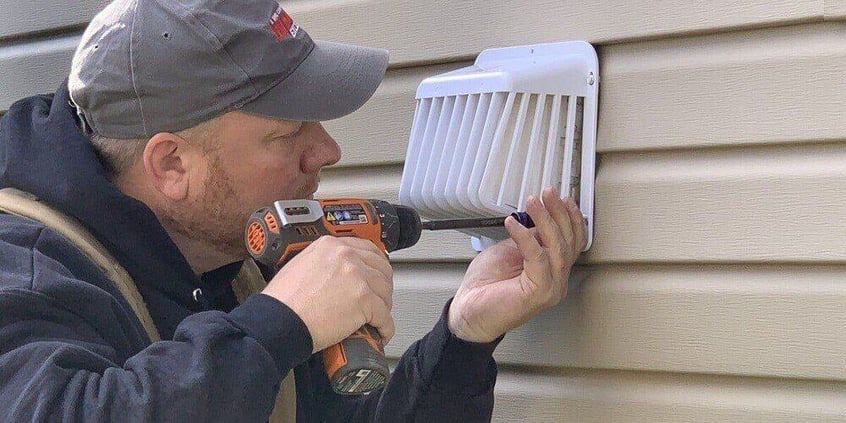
(275, 234)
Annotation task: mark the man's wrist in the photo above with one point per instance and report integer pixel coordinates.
(458, 327)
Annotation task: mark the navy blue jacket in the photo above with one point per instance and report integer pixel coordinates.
(71, 348)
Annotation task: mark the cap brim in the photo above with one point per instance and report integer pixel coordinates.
(333, 81)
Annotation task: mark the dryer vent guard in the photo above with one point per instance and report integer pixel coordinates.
(486, 136)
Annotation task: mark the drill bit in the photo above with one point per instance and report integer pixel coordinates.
(484, 222)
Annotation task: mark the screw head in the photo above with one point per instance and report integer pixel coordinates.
(591, 79)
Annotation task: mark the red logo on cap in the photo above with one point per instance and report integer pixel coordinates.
(282, 25)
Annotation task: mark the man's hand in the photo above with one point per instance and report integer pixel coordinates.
(512, 281)
(336, 285)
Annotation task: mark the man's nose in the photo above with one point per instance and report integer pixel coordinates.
(324, 151)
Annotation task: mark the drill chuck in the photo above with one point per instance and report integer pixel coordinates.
(409, 225)
(401, 226)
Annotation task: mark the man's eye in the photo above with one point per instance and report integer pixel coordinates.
(295, 133)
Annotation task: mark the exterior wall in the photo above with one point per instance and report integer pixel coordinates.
(715, 288)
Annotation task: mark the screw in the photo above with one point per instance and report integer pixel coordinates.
(591, 79)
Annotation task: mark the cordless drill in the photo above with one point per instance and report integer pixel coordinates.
(275, 234)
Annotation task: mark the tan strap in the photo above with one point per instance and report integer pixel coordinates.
(285, 407)
(248, 282)
(24, 204)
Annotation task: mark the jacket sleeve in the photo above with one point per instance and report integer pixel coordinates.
(439, 378)
(59, 362)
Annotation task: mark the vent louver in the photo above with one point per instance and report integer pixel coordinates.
(486, 136)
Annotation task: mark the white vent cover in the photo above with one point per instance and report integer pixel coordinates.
(486, 136)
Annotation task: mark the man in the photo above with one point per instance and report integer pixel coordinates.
(179, 119)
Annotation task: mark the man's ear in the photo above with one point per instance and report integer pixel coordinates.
(167, 159)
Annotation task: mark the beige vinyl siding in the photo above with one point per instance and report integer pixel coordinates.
(439, 31)
(22, 17)
(715, 289)
(835, 9)
(584, 396)
(749, 320)
(33, 67)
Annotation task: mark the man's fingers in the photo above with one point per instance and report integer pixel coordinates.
(383, 288)
(378, 262)
(560, 213)
(547, 228)
(382, 320)
(578, 225)
(535, 257)
(359, 243)
(370, 254)
(548, 232)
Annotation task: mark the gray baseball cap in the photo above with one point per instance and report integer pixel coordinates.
(149, 66)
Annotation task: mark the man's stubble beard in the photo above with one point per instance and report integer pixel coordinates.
(214, 219)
